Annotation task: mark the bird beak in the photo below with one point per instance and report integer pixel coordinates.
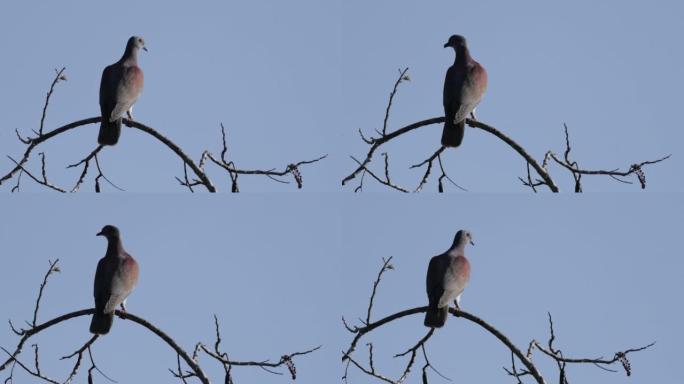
(472, 242)
(99, 234)
(446, 44)
(144, 48)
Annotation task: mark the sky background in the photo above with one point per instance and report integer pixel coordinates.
(292, 81)
(281, 272)
(606, 267)
(262, 266)
(258, 67)
(611, 70)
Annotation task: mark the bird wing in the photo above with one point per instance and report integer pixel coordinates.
(108, 89)
(103, 283)
(451, 95)
(434, 282)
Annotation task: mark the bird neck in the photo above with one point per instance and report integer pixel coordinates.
(462, 56)
(114, 246)
(457, 249)
(130, 55)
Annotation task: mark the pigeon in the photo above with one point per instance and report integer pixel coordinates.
(464, 85)
(447, 276)
(120, 87)
(115, 278)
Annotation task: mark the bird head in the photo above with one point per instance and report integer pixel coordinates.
(456, 41)
(137, 42)
(463, 237)
(109, 231)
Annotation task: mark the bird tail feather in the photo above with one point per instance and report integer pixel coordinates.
(101, 323)
(109, 132)
(436, 317)
(452, 134)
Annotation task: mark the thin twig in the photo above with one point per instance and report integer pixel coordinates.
(544, 179)
(380, 180)
(53, 268)
(402, 77)
(59, 76)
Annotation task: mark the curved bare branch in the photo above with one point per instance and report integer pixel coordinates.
(526, 358)
(200, 177)
(192, 361)
(28, 333)
(544, 178)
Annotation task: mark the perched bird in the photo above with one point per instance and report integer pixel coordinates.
(447, 276)
(116, 275)
(464, 85)
(120, 87)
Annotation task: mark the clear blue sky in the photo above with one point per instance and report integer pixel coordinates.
(270, 71)
(281, 272)
(295, 80)
(266, 268)
(608, 268)
(292, 81)
(611, 70)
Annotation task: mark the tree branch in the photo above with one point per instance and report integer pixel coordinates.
(541, 170)
(222, 357)
(530, 369)
(28, 333)
(286, 360)
(200, 178)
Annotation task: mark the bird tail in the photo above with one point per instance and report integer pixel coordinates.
(101, 323)
(109, 132)
(452, 134)
(436, 317)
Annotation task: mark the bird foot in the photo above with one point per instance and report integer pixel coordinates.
(122, 311)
